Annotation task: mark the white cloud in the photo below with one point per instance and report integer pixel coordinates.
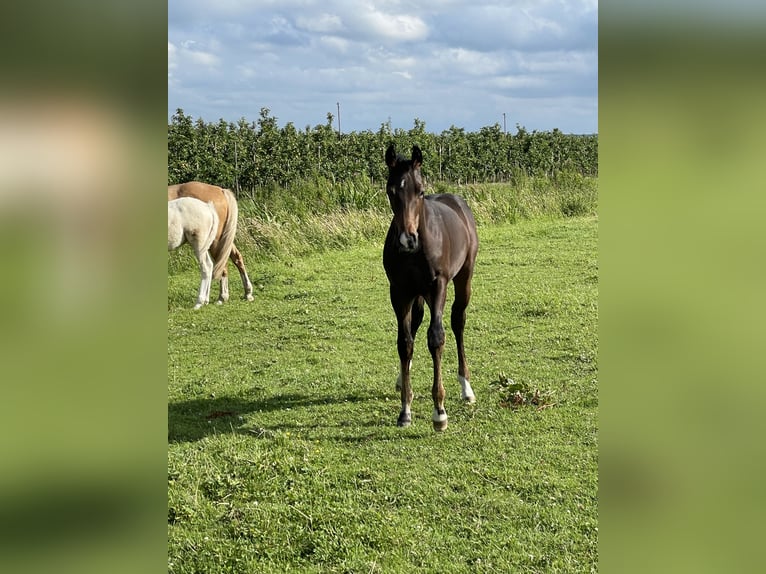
(470, 62)
(188, 54)
(517, 83)
(202, 58)
(558, 62)
(525, 25)
(443, 61)
(334, 43)
(246, 72)
(172, 55)
(403, 62)
(393, 27)
(323, 23)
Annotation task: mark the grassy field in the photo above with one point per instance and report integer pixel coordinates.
(283, 450)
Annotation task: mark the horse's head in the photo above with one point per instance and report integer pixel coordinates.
(405, 194)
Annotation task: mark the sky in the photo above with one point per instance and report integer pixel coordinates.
(445, 62)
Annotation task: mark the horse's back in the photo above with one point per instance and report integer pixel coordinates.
(198, 190)
(204, 192)
(458, 205)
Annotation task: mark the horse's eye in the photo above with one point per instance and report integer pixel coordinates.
(422, 193)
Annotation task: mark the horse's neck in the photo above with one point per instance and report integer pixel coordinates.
(428, 213)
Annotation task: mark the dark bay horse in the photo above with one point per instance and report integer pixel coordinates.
(223, 247)
(432, 240)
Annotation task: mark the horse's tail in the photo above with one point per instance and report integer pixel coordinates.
(227, 235)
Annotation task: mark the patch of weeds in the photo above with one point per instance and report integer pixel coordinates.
(180, 514)
(514, 395)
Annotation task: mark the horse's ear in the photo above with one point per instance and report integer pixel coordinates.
(391, 156)
(417, 157)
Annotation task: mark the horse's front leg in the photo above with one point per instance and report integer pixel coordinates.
(404, 345)
(435, 346)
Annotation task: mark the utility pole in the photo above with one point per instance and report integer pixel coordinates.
(339, 132)
(504, 132)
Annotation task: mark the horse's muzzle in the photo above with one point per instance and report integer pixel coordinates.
(408, 242)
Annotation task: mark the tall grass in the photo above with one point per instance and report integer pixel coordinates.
(317, 215)
(564, 195)
(313, 196)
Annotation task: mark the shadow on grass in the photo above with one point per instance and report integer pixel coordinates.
(196, 418)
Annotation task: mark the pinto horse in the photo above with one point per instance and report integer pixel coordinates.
(431, 241)
(194, 222)
(223, 246)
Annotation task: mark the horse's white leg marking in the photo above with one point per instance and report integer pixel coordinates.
(439, 418)
(208, 279)
(248, 285)
(466, 392)
(405, 416)
(206, 274)
(224, 294)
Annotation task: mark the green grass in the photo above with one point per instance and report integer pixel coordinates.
(317, 216)
(284, 453)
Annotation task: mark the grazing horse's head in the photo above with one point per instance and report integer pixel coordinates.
(405, 193)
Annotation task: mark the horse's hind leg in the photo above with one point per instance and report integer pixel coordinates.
(206, 275)
(239, 262)
(457, 321)
(223, 288)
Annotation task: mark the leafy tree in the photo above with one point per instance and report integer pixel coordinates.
(182, 151)
(261, 155)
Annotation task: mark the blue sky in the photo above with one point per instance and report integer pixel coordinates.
(445, 62)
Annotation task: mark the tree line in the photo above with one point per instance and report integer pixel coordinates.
(252, 155)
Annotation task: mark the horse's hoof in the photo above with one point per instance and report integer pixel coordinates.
(440, 420)
(219, 302)
(250, 298)
(440, 425)
(405, 420)
(470, 399)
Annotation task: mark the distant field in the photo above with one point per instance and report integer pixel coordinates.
(283, 450)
